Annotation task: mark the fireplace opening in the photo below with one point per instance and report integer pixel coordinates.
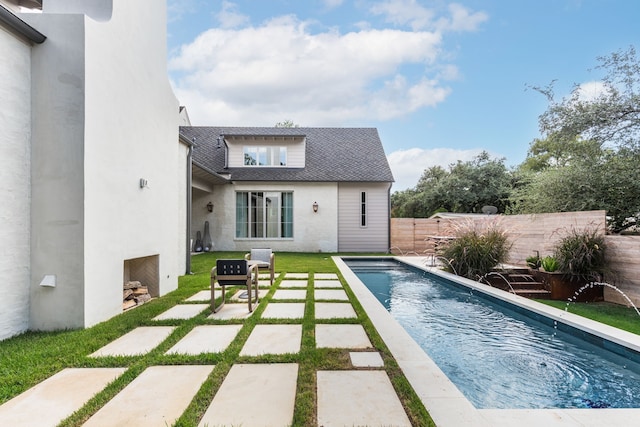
(141, 281)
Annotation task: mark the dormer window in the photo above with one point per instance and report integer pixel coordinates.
(265, 156)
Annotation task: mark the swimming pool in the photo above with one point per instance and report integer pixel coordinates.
(498, 355)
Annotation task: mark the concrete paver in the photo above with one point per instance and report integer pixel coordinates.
(256, 395)
(358, 398)
(327, 284)
(54, 399)
(335, 310)
(296, 276)
(330, 294)
(341, 336)
(206, 339)
(200, 296)
(284, 310)
(157, 397)
(139, 341)
(366, 359)
(232, 311)
(294, 284)
(273, 339)
(242, 294)
(325, 276)
(182, 311)
(297, 294)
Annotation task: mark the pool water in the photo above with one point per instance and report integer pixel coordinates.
(498, 357)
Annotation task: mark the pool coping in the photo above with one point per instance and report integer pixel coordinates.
(445, 403)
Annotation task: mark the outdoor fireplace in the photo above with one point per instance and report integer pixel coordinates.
(140, 281)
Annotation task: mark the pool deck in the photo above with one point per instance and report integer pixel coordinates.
(446, 404)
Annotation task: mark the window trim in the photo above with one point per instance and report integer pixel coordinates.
(363, 211)
(284, 214)
(273, 155)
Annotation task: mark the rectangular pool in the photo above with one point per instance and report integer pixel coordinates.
(500, 355)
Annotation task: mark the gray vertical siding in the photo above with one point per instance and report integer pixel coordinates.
(352, 237)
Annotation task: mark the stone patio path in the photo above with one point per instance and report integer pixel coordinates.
(259, 394)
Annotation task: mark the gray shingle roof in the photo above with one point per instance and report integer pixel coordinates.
(332, 154)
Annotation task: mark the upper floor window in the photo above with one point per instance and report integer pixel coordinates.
(265, 156)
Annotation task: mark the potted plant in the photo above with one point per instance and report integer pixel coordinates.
(578, 260)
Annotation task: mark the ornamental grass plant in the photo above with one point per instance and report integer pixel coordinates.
(478, 247)
(581, 254)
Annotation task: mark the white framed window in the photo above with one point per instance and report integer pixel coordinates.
(264, 215)
(363, 209)
(264, 156)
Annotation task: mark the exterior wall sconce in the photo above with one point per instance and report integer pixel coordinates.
(315, 207)
(210, 207)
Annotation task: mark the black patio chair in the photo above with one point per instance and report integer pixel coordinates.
(233, 272)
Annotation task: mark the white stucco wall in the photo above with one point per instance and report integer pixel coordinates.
(105, 117)
(15, 180)
(57, 219)
(313, 232)
(131, 134)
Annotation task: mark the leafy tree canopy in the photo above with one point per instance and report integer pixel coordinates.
(464, 188)
(612, 116)
(286, 124)
(589, 156)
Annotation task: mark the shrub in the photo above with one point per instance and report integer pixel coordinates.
(549, 264)
(476, 249)
(534, 262)
(581, 254)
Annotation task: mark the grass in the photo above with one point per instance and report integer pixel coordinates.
(34, 356)
(615, 315)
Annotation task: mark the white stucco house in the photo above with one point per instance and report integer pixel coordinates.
(93, 176)
(290, 189)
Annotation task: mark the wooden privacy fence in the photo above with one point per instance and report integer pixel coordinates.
(529, 234)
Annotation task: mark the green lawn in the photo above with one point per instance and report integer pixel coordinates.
(615, 315)
(32, 357)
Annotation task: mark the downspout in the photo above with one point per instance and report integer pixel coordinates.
(190, 145)
(389, 220)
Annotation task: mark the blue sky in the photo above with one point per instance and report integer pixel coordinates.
(440, 80)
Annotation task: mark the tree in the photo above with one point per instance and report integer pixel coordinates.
(595, 178)
(612, 116)
(552, 152)
(465, 188)
(286, 124)
(591, 147)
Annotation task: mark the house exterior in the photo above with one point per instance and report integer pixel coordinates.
(290, 189)
(93, 178)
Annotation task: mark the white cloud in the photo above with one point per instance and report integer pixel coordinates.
(263, 74)
(462, 19)
(408, 165)
(590, 91)
(177, 9)
(229, 17)
(404, 12)
(413, 14)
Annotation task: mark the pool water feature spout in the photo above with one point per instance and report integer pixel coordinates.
(603, 284)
